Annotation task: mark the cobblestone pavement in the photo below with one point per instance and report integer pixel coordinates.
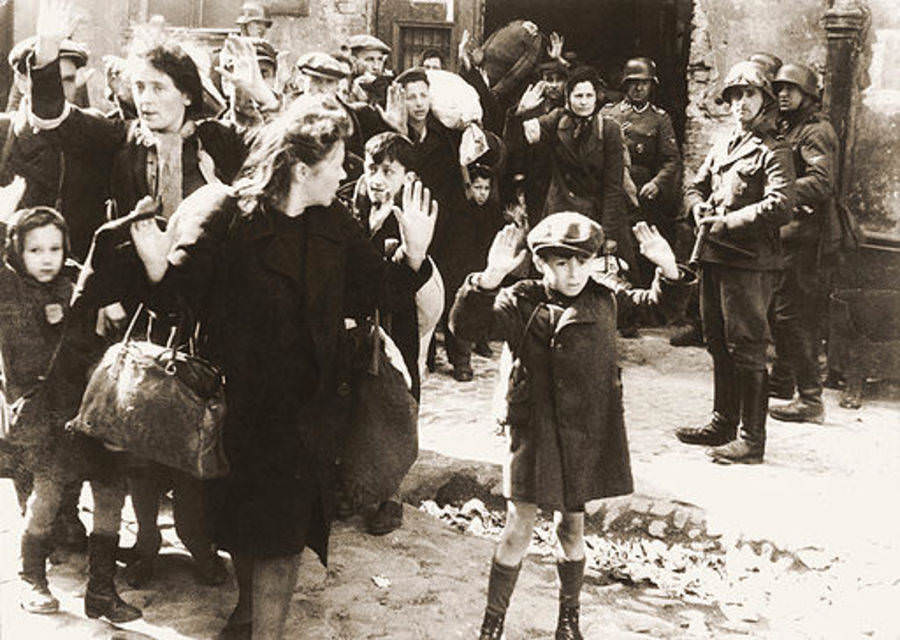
(825, 502)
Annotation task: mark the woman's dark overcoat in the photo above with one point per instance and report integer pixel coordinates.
(567, 432)
(278, 331)
(586, 171)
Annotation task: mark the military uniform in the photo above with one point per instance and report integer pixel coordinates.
(748, 176)
(654, 153)
(798, 297)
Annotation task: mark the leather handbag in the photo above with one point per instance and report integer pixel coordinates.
(162, 403)
(382, 442)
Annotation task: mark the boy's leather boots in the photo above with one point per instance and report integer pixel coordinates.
(567, 624)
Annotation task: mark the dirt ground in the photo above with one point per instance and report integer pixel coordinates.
(827, 495)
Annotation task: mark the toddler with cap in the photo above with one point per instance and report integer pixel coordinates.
(567, 442)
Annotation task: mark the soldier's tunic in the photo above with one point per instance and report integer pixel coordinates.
(654, 154)
(749, 177)
(806, 238)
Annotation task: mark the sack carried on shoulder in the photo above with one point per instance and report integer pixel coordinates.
(383, 439)
(159, 403)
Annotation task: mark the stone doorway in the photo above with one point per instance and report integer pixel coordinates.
(605, 33)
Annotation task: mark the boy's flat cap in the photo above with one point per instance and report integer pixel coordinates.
(322, 65)
(365, 41)
(569, 231)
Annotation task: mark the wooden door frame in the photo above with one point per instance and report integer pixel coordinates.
(399, 24)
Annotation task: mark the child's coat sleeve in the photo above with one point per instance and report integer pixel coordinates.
(485, 314)
(669, 297)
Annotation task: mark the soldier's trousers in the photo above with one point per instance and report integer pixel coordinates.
(733, 307)
(796, 313)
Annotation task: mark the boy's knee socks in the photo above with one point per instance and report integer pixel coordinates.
(500, 587)
(571, 577)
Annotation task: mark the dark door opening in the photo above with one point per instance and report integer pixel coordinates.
(605, 33)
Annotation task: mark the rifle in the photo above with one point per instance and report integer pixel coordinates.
(703, 238)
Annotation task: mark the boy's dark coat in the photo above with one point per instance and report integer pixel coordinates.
(573, 448)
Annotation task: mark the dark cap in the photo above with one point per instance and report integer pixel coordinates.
(569, 231)
(414, 74)
(265, 52)
(365, 41)
(74, 51)
(553, 66)
(322, 65)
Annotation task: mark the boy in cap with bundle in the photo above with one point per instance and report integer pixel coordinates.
(564, 398)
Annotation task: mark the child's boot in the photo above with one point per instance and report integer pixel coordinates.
(101, 598)
(35, 596)
(501, 584)
(571, 577)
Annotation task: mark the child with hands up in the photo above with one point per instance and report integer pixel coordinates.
(564, 400)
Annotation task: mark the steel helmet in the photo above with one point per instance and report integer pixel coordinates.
(253, 12)
(639, 69)
(768, 61)
(747, 74)
(797, 74)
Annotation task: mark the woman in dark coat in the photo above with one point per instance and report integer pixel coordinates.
(587, 155)
(274, 268)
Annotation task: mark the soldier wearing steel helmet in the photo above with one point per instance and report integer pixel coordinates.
(740, 197)
(254, 21)
(806, 239)
(655, 158)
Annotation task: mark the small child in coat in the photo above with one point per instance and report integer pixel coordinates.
(564, 400)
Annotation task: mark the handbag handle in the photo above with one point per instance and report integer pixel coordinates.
(171, 345)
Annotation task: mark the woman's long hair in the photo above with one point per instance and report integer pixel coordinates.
(305, 132)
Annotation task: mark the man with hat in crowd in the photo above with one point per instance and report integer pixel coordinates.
(320, 73)
(370, 79)
(655, 158)
(807, 244)
(567, 439)
(254, 21)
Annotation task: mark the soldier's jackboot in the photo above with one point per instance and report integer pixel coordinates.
(750, 446)
(35, 596)
(722, 428)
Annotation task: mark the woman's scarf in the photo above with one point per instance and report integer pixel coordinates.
(165, 168)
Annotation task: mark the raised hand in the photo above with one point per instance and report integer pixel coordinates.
(555, 48)
(531, 99)
(463, 50)
(416, 218)
(394, 114)
(151, 243)
(56, 21)
(506, 253)
(240, 66)
(655, 248)
(10, 195)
